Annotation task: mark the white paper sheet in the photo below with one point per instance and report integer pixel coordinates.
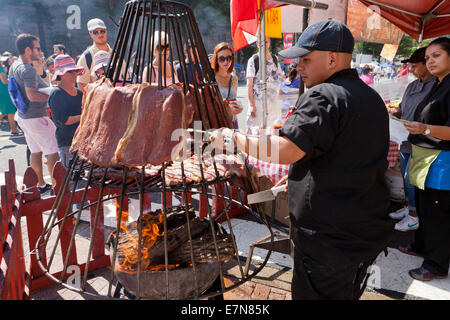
(397, 131)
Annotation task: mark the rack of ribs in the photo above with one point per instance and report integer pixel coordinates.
(227, 166)
(192, 172)
(133, 175)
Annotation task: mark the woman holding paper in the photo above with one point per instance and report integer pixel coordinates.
(414, 94)
(430, 167)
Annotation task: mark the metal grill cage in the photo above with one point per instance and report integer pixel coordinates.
(143, 27)
(154, 38)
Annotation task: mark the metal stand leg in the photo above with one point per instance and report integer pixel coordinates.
(282, 245)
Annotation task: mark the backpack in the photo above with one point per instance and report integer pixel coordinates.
(16, 96)
(88, 55)
(256, 59)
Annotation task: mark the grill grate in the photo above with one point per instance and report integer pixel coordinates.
(144, 25)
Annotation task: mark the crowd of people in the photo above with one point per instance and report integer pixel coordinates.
(335, 137)
(49, 119)
(373, 74)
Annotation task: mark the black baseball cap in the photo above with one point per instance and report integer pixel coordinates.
(417, 56)
(326, 35)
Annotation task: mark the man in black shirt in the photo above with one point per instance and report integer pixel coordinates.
(336, 142)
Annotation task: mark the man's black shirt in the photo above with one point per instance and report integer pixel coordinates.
(337, 191)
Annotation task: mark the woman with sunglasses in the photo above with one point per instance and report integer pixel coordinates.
(222, 62)
(429, 169)
(161, 53)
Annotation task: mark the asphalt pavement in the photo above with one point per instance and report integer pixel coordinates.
(12, 147)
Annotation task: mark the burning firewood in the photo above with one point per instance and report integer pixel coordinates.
(204, 250)
(153, 244)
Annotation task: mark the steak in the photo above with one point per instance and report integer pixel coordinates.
(112, 126)
(133, 174)
(155, 115)
(227, 165)
(174, 177)
(131, 125)
(90, 116)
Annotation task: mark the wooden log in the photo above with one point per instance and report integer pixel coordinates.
(175, 217)
(204, 250)
(153, 244)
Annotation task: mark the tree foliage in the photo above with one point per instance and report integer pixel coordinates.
(408, 45)
(405, 48)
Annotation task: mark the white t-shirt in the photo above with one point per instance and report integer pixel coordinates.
(273, 75)
(87, 77)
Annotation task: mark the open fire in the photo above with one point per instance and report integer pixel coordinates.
(180, 240)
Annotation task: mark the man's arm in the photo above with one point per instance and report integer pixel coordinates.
(31, 85)
(83, 80)
(268, 148)
(281, 149)
(251, 98)
(34, 96)
(251, 73)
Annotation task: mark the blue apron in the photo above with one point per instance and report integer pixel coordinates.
(439, 173)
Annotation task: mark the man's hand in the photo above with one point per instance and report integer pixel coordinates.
(282, 181)
(253, 112)
(217, 136)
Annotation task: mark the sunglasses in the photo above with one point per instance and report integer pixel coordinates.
(223, 59)
(96, 32)
(160, 48)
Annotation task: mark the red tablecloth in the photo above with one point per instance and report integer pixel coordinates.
(273, 171)
(393, 154)
(394, 149)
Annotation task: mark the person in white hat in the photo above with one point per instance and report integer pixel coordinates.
(98, 32)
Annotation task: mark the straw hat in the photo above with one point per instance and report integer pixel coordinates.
(63, 64)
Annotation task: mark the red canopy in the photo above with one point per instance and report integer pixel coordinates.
(421, 19)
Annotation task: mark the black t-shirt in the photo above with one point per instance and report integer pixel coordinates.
(62, 106)
(434, 110)
(190, 69)
(337, 191)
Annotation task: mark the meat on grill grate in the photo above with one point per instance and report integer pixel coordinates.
(227, 166)
(131, 125)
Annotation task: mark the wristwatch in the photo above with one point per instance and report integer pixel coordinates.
(228, 137)
(427, 130)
